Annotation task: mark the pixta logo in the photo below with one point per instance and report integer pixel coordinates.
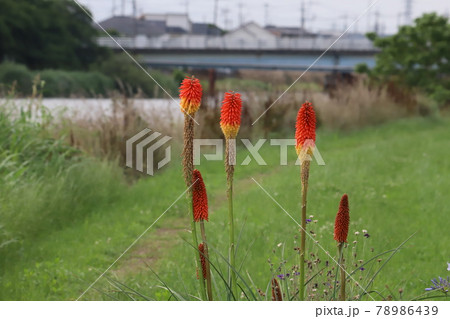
(253, 149)
(142, 148)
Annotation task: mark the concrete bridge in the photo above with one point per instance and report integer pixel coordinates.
(240, 51)
(332, 61)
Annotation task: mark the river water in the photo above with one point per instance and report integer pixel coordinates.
(91, 109)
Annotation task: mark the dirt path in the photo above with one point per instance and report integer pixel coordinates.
(153, 246)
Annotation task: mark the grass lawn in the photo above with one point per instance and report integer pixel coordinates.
(397, 177)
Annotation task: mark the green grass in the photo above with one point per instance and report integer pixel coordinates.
(396, 176)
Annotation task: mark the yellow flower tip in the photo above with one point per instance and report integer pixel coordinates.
(189, 107)
(305, 150)
(230, 131)
(230, 114)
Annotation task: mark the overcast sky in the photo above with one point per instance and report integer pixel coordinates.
(320, 14)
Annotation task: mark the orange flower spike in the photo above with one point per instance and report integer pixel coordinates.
(342, 221)
(190, 95)
(201, 248)
(230, 115)
(305, 128)
(199, 197)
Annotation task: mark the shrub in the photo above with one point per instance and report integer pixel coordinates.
(45, 183)
(131, 80)
(58, 83)
(116, 73)
(66, 83)
(18, 75)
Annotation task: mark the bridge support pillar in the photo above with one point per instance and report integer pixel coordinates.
(212, 76)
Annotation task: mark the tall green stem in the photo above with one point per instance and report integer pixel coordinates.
(304, 179)
(232, 245)
(342, 271)
(229, 161)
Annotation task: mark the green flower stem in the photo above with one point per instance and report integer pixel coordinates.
(229, 160)
(342, 271)
(304, 179)
(232, 245)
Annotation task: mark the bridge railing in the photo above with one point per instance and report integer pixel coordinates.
(198, 42)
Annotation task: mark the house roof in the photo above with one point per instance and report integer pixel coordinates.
(205, 29)
(250, 28)
(130, 26)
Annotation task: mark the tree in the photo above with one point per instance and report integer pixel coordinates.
(47, 34)
(418, 56)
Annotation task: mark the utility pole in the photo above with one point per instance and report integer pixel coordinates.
(302, 16)
(216, 7)
(355, 26)
(241, 17)
(408, 11)
(226, 21)
(306, 15)
(344, 20)
(399, 19)
(377, 22)
(266, 14)
(113, 9)
(134, 9)
(135, 26)
(123, 7)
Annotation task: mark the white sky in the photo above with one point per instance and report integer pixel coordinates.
(320, 14)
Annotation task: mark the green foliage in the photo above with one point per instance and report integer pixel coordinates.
(71, 83)
(47, 34)
(24, 147)
(416, 57)
(131, 79)
(58, 83)
(178, 75)
(15, 74)
(45, 184)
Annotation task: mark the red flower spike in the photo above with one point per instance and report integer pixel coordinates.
(199, 197)
(201, 248)
(230, 115)
(190, 95)
(305, 128)
(342, 221)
